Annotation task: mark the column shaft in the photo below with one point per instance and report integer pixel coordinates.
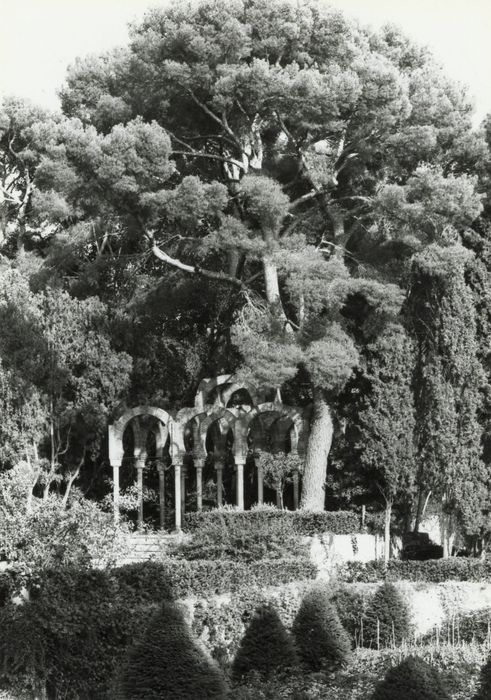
(139, 467)
(177, 495)
(199, 487)
(240, 486)
(116, 492)
(183, 490)
(219, 486)
(260, 485)
(295, 491)
(162, 498)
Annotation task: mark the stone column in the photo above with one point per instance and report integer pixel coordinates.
(240, 485)
(295, 490)
(199, 484)
(116, 492)
(183, 490)
(260, 486)
(177, 495)
(140, 465)
(219, 468)
(162, 496)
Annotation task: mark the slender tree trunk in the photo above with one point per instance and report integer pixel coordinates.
(318, 447)
(388, 513)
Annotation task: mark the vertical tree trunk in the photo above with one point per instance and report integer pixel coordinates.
(318, 447)
(388, 513)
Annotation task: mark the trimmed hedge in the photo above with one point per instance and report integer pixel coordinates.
(301, 522)
(321, 640)
(387, 620)
(180, 578)
(266, 647)
(431, 571)
(167, 663)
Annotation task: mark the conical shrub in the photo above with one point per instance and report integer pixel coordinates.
(484, 692)
(266, 646)
(167, 663)
(321, 640)
(387, 620)
(412, 679)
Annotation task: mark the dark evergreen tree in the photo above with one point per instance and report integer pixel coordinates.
(167, 663)
(387, 621)
(320, 638)
(412, 679)
(266, 646)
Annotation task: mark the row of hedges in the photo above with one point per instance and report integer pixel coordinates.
(432, 571)
(299, 522)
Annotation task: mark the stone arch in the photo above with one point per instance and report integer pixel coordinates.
(224, 415)
(244, 422)
(117, 428)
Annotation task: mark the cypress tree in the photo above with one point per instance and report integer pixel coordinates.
(321, 639)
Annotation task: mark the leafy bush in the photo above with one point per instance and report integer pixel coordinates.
(412, 679)
(70, 636)
(431, 571)
(387, 620)
(167, 663)
(298, 522)
(266, 646)
(484, 688)
(320, 637)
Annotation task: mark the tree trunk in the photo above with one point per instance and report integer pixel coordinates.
(388, 513)
(423, 498)
(271, 280)
(318, 447)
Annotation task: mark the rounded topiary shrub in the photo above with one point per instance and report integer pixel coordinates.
(266, 646)
(166, 663)
(321, 639)
(387, 620)
(484, 692)
(412, 679)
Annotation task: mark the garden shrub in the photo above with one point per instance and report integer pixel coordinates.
(266, 646)
(297, 522)
(321, 640)
(412, 679)
(484, 688)
(167, 663)
(387, 619)
(431, 571)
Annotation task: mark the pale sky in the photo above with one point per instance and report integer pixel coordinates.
(39, 38)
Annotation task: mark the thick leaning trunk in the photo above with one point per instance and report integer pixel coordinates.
(318, 447)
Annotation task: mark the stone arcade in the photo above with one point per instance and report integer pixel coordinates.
(226, 419)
